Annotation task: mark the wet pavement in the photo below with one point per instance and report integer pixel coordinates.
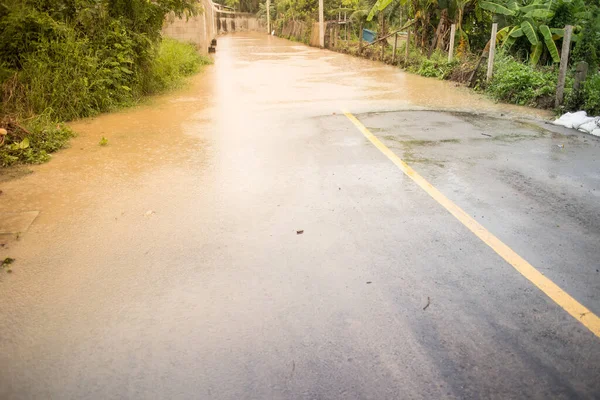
(168, 263)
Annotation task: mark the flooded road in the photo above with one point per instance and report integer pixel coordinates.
(168, 264)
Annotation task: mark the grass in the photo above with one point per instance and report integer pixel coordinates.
(174, 61)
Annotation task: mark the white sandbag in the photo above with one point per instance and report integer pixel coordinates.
(568, 120)
(588, 127)
(584, 121)
(596, 132)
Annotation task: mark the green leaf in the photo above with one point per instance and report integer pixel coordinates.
(536, 52)
(373, 11)
(512, 5)
(558, 31)
(516, 32)
(547, 34)
(529, 31)
(383, 4)
(511, 37)
(502, 33)
(496, 8)
(540, 14)
(531, 7)
(24, 143)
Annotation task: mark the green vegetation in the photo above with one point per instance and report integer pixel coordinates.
(529, 40)
(520, 83)
(67, 59)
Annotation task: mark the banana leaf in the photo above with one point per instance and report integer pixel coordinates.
(540, 14)
(531, 7)
(536, 52)
(496, 8)
(529, 31)
(516, 32)
(545, 31)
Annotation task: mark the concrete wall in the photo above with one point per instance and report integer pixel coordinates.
(202, 28)
(199, 30)
(238, 22)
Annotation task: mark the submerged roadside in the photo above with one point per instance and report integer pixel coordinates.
(30, 137)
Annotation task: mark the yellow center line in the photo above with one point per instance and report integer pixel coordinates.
(552, 290)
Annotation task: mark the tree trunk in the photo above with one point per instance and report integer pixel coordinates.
(438, 38)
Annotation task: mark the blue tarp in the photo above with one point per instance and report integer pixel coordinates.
(369, 35)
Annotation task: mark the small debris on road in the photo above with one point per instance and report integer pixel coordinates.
(149, 213)
(6, 264)
(560, 146)
(486, 134)
(300, 232)
(369, 282)
(428, 303)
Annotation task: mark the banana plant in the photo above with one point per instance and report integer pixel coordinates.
(531, 21)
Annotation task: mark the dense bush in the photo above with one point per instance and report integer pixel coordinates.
(66, 59)
(437, 66)
(591, 95)
(519, 83)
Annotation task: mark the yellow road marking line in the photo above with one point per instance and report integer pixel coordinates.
(552, 290)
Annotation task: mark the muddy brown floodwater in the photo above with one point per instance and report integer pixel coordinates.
(252, 74)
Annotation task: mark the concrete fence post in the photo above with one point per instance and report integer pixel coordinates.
(269, 17)
(360, 37)
(452, 36)
(321, 25)
(490, 68)
(581, 71)
(564, 64)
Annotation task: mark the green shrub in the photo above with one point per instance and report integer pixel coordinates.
(591, 95)
(437, 66)
(65, 59)
(519, 83)
(34, 143)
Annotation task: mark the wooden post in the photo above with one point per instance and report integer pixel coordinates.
(407, 50)
(321, 25)
(490, 69)
(346, 26)
(394, 51)
(452, 36)
(331, 35)
(360, 37)
(382, 33)
(564, 63)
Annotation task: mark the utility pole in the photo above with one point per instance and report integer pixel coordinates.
(321, 25)
(269, 17)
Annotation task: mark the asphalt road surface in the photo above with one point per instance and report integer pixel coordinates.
(255, 236)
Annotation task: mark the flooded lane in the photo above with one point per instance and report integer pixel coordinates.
(168, 264)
